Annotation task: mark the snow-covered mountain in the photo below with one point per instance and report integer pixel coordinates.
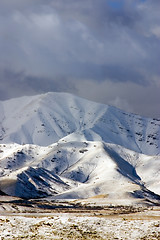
(45, 119)
(61, 145)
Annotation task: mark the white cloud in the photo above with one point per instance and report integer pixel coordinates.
(156, 31)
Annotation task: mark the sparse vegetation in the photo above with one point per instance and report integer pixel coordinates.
(100, 224)
(41, 219)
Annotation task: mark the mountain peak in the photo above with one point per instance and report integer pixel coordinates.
(46, 118)
(69, 147)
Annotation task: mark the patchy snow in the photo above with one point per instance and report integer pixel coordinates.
(66, 226)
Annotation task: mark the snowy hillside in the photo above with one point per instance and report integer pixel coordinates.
(63, 146)
(45, 119)
(77, 170)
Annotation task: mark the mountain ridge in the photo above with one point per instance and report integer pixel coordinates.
(63, 146)
(54, 116)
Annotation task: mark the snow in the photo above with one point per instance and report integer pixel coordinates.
(47, 118)
(63, 146)
(67, 226)
(77, 170)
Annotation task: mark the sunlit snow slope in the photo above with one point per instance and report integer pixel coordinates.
(45, 119)
(64, 146)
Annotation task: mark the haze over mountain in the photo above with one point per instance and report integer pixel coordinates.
(63, 146)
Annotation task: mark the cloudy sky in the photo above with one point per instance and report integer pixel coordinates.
(103, 50)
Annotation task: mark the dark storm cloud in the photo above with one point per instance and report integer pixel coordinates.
(18, 83)
(99, 16)
(115, 73)
(59, 45)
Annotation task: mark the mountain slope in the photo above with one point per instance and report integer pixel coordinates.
(64, 146)
(78, 170)
(45, 119)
